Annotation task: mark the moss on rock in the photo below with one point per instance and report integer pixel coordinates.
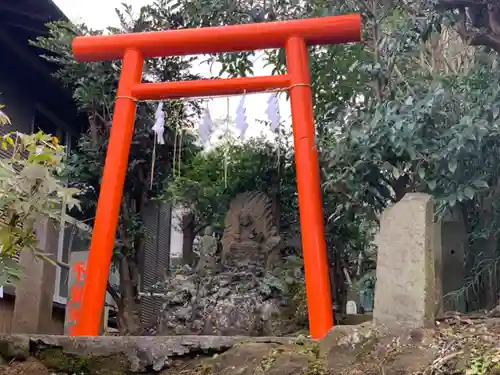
(56, 359)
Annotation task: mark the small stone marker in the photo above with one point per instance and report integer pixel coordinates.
(351, 308)
(78, 268)
(405, 288)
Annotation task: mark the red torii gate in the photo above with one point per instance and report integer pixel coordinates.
(294, 36)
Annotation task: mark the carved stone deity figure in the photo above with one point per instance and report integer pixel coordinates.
(208, 252)
(250, 234)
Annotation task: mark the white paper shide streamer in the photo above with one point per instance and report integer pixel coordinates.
(241, 118)
(159, 125)
(206, 126)
(273, 111)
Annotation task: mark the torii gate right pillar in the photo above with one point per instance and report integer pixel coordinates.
(308, 187)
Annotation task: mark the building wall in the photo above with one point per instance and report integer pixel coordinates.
(19, 104)
(20, 107)
(156, 258)
(7, 312)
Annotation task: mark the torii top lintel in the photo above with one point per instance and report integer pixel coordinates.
(236, 38)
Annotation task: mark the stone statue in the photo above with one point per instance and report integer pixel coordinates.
(208, 253)
(250, 233)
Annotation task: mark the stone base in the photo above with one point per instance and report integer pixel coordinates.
(115, 355)
(230, 303)
(353, 350)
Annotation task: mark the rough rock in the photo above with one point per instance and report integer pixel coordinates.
(347, 350)
(241, 302)
(452, 348)
(357, 348)
(111, 355)
(260, 358)
(252, 289)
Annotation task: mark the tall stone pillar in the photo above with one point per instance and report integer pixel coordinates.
(405, 289)
(34, 294)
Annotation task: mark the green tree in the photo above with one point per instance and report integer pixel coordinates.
(428, 122)
(336, 84)
(395, 114)
(94, 90)
(206, 187)
(31, 189)
(412, 108)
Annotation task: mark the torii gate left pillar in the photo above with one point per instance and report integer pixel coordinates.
(294, 36)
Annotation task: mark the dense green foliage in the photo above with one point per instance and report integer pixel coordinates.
(256, 164)
(412, 108)
(31, 189)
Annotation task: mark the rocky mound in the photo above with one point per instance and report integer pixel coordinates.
(250, 283)
(247, 300)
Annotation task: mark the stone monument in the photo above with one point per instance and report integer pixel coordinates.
(250, 234)
(406, 281)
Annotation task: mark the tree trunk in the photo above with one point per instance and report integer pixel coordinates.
(129, 322)
(188, 235)
(337, 280)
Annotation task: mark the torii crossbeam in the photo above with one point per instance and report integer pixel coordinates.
(295, 36)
